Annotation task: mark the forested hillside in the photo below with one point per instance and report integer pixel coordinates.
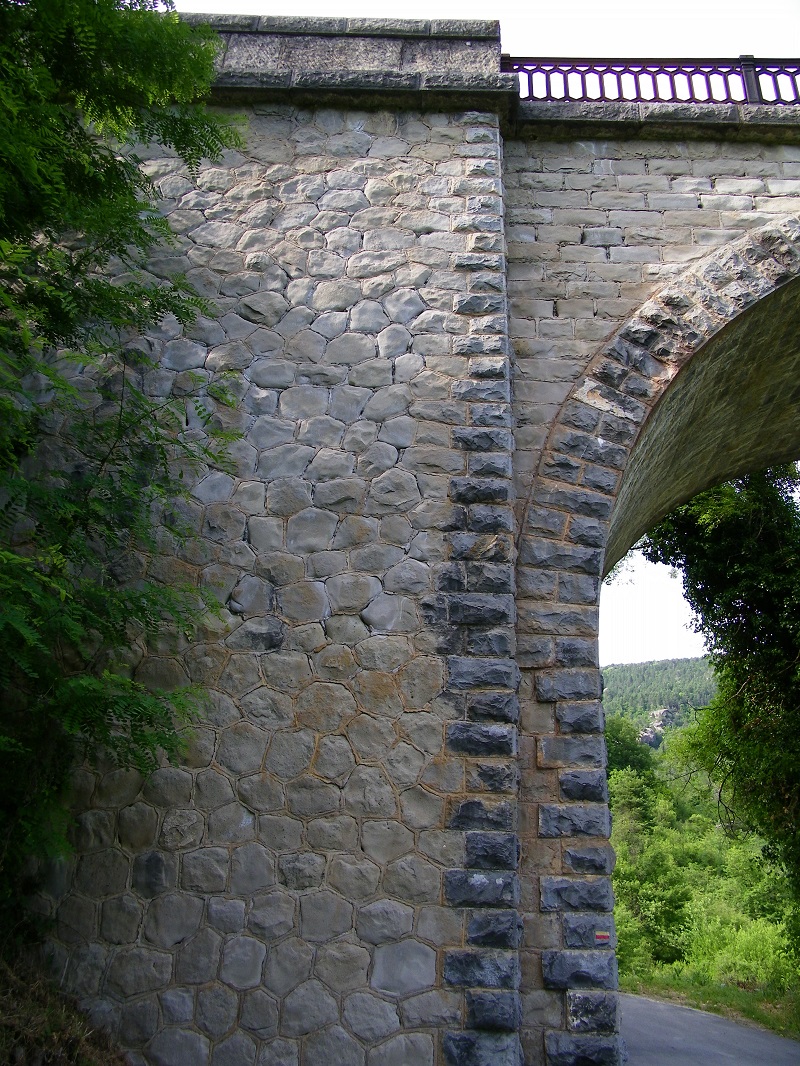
(702, 912)
(635, 690)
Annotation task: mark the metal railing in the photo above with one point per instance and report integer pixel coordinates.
(745, 80)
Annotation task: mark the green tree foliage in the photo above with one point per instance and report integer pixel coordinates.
(696, 907)
(635, 690)
(625, 752)
(86, 450)
(738, 546)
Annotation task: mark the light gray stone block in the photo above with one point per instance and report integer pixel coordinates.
(324, 915)
(307, 1009)
(383, 921)
(402, 968)
(242, 962)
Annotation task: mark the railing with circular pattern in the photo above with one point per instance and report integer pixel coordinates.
(745, 80)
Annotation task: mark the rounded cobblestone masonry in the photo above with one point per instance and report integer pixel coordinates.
(298, 857)
(335, 872)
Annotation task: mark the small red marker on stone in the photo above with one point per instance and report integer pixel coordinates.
(602, 937)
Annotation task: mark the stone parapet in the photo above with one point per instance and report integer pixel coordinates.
(565, 119)
(266, 55)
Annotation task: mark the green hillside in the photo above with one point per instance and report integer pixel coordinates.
(635, 690)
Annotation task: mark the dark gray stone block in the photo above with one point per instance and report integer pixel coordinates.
(576, 894)
(482, 1049)
(574, 651)
(589, 930)
(580, 717)
(473, 738)
(490, 577)
(580, 416)
(592, 1012)
(589, 449)
(568, 1049)
(484, 518)
(482, 609)
(471, 261)
(579, 969)
(589, 860)
(472, 303)
(495, 777)
(490, 549)
(587, 532)
(493, 1010)
(465, 673)
(621, 430)
(495, 929)
(496, 643)
(475, 814)
(552, 555)
(474, 344)
(483, 490)
(451, 578)
(482, 969)
(482, 440)
(489, 464)
(578, 500)
(478, 888)
(492, 851)
(574, 819)
(555, 685)
(598, 477)
(591, 785)
(494, 706)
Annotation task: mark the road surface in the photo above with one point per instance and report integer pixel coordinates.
(664, 1034)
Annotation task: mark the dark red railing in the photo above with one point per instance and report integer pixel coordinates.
(745, 80)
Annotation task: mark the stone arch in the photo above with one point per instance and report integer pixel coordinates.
(700, 385)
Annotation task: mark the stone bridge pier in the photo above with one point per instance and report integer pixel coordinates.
(478, 347)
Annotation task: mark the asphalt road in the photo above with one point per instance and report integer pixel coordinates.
(664, 1034)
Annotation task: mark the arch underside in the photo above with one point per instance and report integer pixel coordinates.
(733, 409)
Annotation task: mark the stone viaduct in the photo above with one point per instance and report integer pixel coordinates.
(479, 346)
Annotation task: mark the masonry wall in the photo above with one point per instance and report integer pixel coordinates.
(389, 840)
(594, 228)
(305, 887)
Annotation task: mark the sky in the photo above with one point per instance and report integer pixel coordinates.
(583, 29)
(643, 615)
